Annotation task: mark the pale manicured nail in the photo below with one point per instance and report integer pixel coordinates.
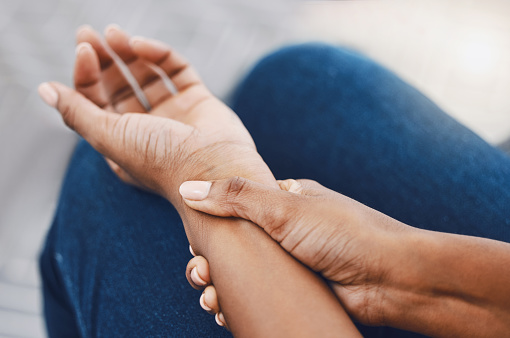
(195, 277)
(192, 252)
(153, 43)
(136, 39)
(202, 303)
(111, 27)
(83, 28)
(82, 46)
(48, 94)
(195, 190)
(220, 319)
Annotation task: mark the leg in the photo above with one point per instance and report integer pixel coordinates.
(332, 115)
(114, 261)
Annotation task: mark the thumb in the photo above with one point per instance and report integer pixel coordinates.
(80, 114)
(265, 206)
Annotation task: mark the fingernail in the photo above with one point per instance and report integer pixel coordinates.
(111, 27)
(202, 303)
(195, 277)
(82, 28)
(48, 94)
(82, 46)
(220, 319)
(191, 250)
(136, 39)
(195, 190)
(154, 44)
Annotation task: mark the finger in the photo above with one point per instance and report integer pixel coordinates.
(87, 75)
(268, 207)
(88, 34)
(114, 83)
(118, 40)
(220, 319)
(291, 185)
(81, 115)
(175, 66)
(115, 86)
(147, 77)
(113, 135)
(197, 272)
(209, 300)
(124, 78)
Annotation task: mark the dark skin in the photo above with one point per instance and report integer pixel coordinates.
(383, 271)
(194, 136)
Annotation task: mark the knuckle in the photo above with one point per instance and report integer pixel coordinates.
(284, 217)
(275, 223)
(235, 187)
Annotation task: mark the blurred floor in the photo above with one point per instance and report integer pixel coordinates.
(456, 51)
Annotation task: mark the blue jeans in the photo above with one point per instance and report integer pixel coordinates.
(114, 259)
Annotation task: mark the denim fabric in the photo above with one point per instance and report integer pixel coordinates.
(114, 260)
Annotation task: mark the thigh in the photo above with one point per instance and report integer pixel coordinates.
(114, 261)
(329, 114)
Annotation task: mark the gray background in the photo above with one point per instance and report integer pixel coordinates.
(427, 42)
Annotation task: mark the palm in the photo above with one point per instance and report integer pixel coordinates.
(199, 123)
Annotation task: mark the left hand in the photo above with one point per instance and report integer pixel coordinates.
(189, 134)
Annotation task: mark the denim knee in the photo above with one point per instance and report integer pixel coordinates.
(317, 75)
(315, 66)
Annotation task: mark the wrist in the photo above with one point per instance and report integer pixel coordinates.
(200, 167)
(244, 162)
(408, 296)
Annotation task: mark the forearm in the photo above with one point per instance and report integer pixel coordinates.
(262, 290)
(455, 286)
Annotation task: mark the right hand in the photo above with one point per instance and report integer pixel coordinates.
(354, 247)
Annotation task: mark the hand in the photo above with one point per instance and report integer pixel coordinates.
(197, 273)
(189, 134)
(192, 135)
(349, 244)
